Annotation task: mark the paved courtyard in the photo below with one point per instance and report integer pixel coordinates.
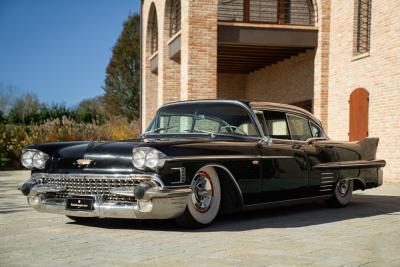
(366, 233)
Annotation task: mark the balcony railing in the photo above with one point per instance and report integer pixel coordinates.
(286, 12)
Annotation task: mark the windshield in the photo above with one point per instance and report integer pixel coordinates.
(211, 118)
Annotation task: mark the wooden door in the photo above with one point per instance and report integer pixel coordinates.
(359, 99)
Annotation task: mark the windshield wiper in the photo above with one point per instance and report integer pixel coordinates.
(212, 134)
(157, 129)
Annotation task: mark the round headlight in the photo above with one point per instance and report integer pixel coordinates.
(27, 159)
(146, 157)
(138, 159)
(39, 160)
(152, 159)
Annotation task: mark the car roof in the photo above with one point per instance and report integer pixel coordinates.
(255, 105)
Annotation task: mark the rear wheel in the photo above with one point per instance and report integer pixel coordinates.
(342, 195)
(204, 202)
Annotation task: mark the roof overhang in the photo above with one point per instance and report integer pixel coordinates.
(245, 47)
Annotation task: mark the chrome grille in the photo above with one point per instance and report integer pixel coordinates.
(81, 185)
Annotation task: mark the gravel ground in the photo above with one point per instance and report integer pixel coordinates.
(366, 233)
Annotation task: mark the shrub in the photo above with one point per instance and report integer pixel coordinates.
(13, 138)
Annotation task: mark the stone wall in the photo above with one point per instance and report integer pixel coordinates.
(378, 72)
(231, 86)
(288, 81)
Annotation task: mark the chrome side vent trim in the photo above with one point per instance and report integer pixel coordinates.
(328, 180)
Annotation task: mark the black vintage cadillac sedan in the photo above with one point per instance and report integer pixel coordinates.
(198, 159)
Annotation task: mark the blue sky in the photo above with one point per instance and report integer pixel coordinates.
(59, 49)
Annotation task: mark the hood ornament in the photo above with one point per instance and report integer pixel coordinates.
(83, 162)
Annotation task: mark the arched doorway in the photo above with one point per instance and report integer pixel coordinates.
(359, 102)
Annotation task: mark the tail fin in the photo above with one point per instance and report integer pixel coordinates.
(369, 147)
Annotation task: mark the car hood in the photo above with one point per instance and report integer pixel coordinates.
(115, 156)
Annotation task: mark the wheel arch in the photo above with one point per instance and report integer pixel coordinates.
(358, 184)
(231, 195)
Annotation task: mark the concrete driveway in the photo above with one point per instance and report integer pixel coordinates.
(366, 233)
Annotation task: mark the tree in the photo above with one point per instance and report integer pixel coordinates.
(121, 86)
(25, 109)
(8, 95)
(2, 119)
(90, 110)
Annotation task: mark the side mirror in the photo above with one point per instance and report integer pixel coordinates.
(265, 141)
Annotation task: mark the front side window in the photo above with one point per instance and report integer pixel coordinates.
(277, 125)
(299, 127)
(218, 118)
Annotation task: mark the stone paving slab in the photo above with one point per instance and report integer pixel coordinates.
(366, 233)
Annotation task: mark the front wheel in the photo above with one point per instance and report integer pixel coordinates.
(342, 195)
(204, 202)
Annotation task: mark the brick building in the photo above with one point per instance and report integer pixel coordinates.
(339, 59)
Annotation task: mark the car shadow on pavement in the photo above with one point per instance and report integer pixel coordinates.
(362, 206)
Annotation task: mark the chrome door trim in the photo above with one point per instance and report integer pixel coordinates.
(238, 157)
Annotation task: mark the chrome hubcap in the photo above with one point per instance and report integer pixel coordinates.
(202, 192)
(342, 187)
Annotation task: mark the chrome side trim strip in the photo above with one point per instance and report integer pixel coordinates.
(355, 164)
(213, 157)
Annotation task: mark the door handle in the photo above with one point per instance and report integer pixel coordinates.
(296, 146)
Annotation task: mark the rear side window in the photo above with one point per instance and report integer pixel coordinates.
(299, 127)
(276, 124)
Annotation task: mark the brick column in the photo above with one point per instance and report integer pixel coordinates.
(321, 75)
(199, 49)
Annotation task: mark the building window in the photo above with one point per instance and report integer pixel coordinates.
(154, 33)
(175, 19)
(362, 26)
(297, 12)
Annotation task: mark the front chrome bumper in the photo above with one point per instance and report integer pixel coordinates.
(156, 202)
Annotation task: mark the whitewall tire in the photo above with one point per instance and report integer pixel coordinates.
(204, 202)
